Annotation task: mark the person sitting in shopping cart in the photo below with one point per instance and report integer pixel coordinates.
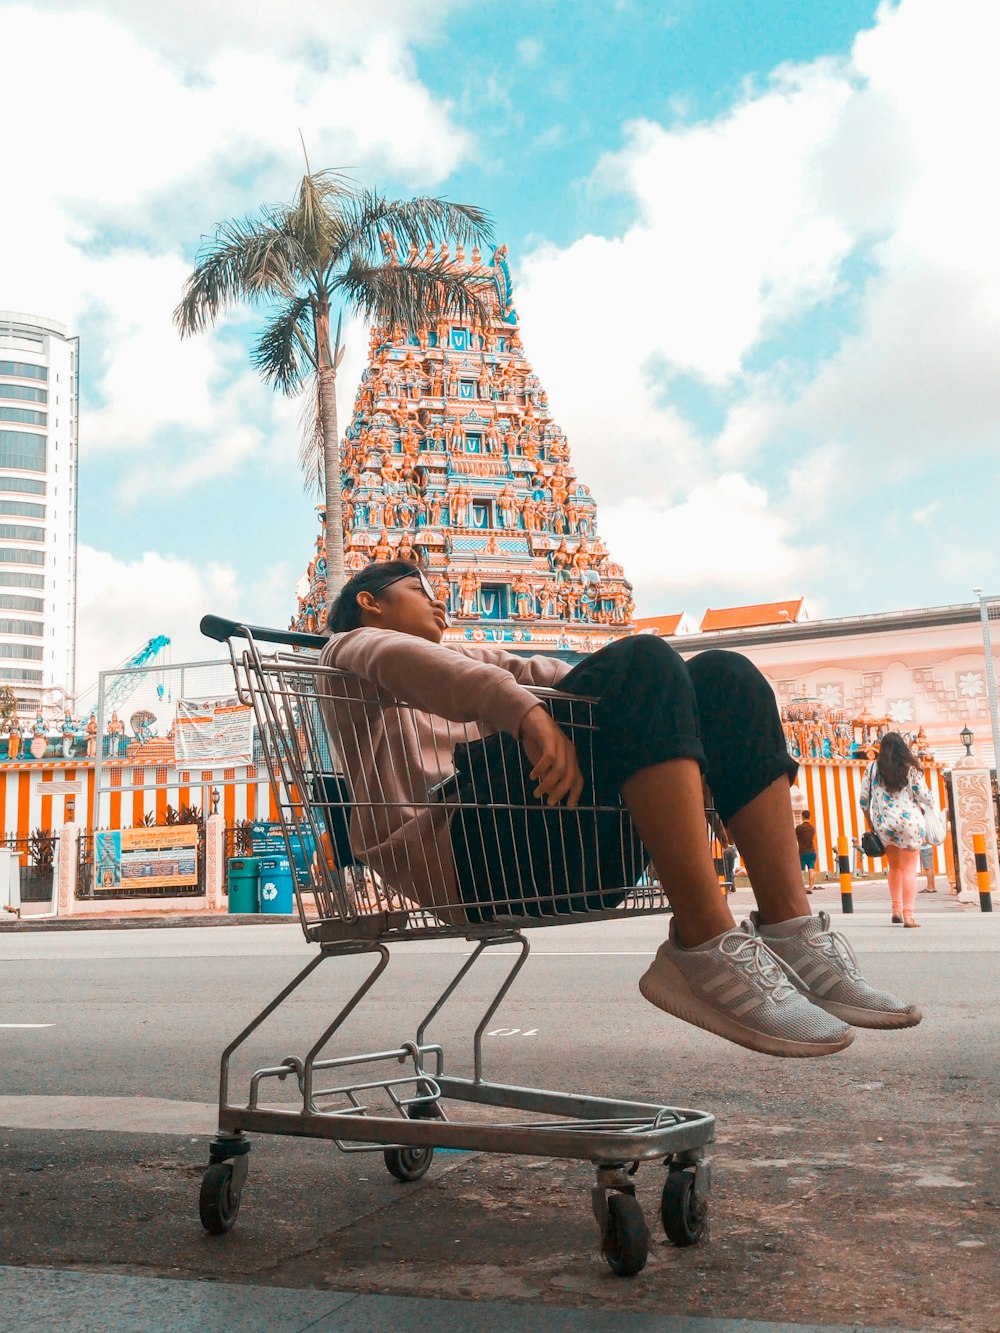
(782, 983)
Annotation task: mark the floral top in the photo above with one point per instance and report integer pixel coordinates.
(897, 816)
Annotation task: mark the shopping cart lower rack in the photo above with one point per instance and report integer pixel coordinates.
(403, 1101)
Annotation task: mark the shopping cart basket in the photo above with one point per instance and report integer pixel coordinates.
(318, 729)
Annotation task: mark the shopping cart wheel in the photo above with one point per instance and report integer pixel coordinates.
(683, 1213)
(218, 1202)
(408, 1163)
(625, 1242)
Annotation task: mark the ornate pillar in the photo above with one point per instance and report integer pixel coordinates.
(973, 813)
(215, 851)
(64, 889)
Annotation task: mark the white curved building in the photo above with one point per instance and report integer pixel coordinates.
(39, 414)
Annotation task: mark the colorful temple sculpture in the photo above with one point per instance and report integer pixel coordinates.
(815, 732)
(452, 459)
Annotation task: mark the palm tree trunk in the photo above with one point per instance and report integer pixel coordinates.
(326, 387)
(335, 574)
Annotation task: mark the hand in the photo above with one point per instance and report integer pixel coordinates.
(553, 754)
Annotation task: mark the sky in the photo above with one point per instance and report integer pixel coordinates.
(753, 245)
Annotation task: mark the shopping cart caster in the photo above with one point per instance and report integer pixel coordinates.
(684, 1203)
(222, 1185)
(624, 1234)
(408, 1163)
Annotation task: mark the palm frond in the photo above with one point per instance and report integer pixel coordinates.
(364, 218)
(284, 352)
(313, 217)
(248, 259)
(312, 453)
(414, 294)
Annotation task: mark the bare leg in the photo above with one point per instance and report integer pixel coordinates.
(908, 859)
(667, 806)
(895, 879)
(764, 831)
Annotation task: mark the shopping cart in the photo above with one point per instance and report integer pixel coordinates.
(318, 728)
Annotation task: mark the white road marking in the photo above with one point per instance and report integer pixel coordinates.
(27, 1025)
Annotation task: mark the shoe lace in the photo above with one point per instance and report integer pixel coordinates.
(753, 957)
(835, 947)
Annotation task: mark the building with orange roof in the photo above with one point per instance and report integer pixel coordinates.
(752, 617)
(666, 626)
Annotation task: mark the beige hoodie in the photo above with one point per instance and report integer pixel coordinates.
(394, 756)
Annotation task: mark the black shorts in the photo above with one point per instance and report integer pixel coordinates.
(517, 857)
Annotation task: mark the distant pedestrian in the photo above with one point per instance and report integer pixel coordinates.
(894, 797)
(927, 866)
(805, 836)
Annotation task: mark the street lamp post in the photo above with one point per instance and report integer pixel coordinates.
(215, 800)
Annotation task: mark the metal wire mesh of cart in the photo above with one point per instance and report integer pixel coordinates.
(398, 824)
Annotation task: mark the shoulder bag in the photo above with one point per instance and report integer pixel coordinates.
(871, 843)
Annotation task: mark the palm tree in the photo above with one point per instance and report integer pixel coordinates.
(334, 248)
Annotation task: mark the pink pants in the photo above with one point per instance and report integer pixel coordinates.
(902, 877)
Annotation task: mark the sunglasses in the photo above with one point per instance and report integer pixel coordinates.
(398, 578)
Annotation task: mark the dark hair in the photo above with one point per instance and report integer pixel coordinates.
(895, 759)
(345, 613)
(806, 815)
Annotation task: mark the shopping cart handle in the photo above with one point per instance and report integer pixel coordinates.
(217, 627)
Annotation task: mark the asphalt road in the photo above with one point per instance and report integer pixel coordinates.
(109, 1049)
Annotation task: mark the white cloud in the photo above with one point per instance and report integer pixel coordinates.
(864, 181)
(189, 31)
(123, 603)
(724, 534)
(156, 123)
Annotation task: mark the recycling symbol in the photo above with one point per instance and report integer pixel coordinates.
(269, 891)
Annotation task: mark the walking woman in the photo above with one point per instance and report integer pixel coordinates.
(894, 796)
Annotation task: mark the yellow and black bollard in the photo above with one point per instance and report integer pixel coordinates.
(982, 871)
(846, 883)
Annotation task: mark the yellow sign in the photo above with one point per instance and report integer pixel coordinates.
(136, 859)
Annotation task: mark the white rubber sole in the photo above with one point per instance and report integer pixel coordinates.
(868, 1018)
(680, 1001)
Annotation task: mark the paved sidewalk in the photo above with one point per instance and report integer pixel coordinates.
(97, 1302)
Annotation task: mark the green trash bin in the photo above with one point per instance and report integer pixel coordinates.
(244, 884)
(277, 886)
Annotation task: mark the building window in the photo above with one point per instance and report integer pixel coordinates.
(9, 555)
(24, 370)
(33, 627)
(14, 673)
(26, 392)
(19, 532)
(26, 485)
(473, 443)
(13, 578)
(482, 514)
(26, 416)
(27, 652)
(466, 389)
(459, 339)
(18, 449)
(12, 601)
(22, 509)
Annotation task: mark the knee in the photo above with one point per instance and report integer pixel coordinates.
(646, 652)
(718, 669)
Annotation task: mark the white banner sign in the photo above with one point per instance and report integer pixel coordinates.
(212, 730)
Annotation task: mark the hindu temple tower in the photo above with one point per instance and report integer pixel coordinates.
(452, 459)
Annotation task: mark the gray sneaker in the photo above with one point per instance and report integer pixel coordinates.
(738, 991)
(822, 963)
